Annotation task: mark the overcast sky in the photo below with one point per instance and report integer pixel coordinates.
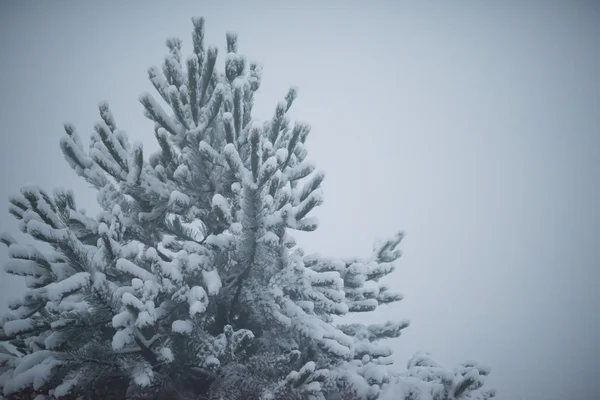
(472, 126)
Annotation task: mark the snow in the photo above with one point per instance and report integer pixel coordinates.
(220, 201)
(235, 162)
(22, 267)
(182, 327)
(407, 388)
(301, 170)
(40, 198)
(212, 281)
(103, 229)
(309, 367)
(181, 173)
(122, 319)
(57, 290)
(328, 278)
(143, 375)
(270, 239)
(273, 219)
(80, 160)
(208, 151)
(116, 151)
(220, 204)
(17, 326)
(198, 300)
(127, 266)
(371, 289)
(100, 154)
(65, 387)
(135, 168)
(107, 115)
(144, 319)
(43, 231)
(54, 340)
(36, 376)
(10, 349)
(300, 151)
(166, 354)
(211, 360)
(307, 224)
(87, 222)
(314, 199)
(7, 239)
(222, 240)
(312, 387)
(158, 80)
(206, 112)
(307, 306)
(176, 198)
(312, 184)
(334, 347)
(121, 338)
(137, 284)
(153, 107)
(197, 307)
(171, 270)
(267, 170)
(130, 300)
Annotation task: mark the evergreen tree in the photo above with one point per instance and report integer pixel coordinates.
(189, 283)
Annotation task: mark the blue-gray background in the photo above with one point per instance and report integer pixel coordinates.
(473, 126)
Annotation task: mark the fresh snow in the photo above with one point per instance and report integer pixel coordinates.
(183, 327)
(212, 281)
(127, 266)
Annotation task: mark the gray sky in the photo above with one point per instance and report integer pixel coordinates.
(472, 126)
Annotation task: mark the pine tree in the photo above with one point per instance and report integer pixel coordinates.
(427, 379)
(189, 283)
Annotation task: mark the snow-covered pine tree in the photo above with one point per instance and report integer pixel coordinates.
(189, 284)
(426, 379)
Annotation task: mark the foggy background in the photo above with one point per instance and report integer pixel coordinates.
(472, 126)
